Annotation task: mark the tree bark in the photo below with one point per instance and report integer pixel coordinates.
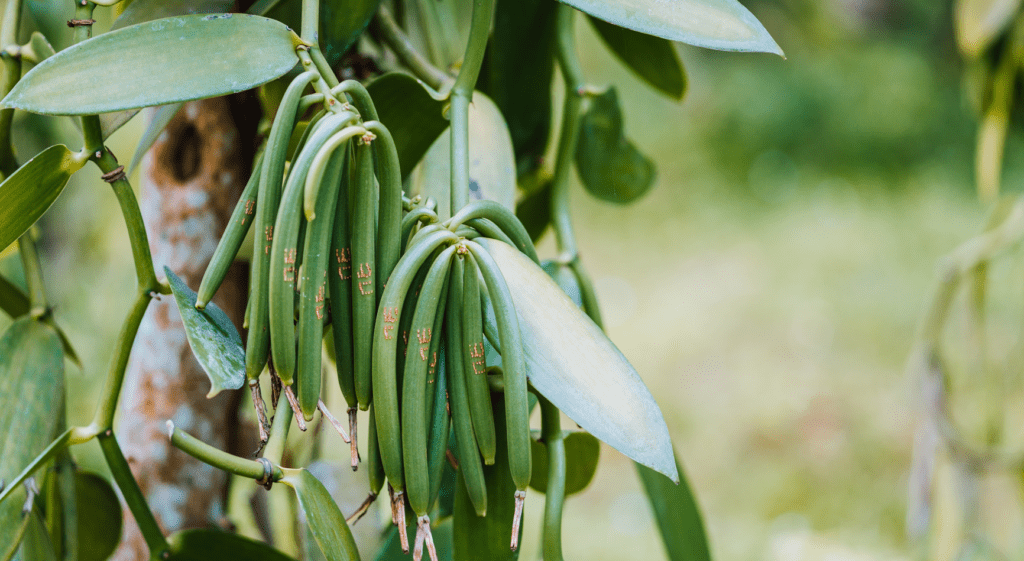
(192, 178)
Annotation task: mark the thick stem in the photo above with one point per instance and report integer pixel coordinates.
(554, 496)
(215, 457)
(133, 495)
(310, 21)
(385, 27)
(573, 76)
(278, 434)
(104, 418)
(144, 270)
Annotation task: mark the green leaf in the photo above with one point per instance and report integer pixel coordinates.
(213, 338)
(652, 58)
(519, 68)
(677, 514)
(29, 191)
(565, 279)
(534, 211)
(413, 116)
(582, 451)
(36, 544)
(979, 22)
(156, 125)
(492, 166)
(341, 23)
(609, 166)
(487, 538)
(31, 410)
(41, 48)
(141, 11)
(324, 517)
(724, 25)
(570, 361)
(99, 517)
(214, 545)
(156, 63)
(14, 302)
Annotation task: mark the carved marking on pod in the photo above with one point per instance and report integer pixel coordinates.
(476, 350)
(319, 311)
(320, 296)
(268, 233)
(479, 367)
(387, 332)
(423, 336)
(390, 314)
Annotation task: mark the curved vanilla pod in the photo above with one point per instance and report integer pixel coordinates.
(475, 364)
(364, 263)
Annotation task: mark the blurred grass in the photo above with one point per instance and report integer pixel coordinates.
(767, 290)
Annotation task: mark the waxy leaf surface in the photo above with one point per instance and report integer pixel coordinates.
(29, 191)
(31, 405)
(156, 63)
(724, 25)
(582, 451)
(14, 302)
(609, 165)
(570, 361)
(677, 514)
(214, 545)
(99, 517)
(652, 58)
(213, 338)
(325, 520)
(141, 11)
(412, 115)
(492, 165)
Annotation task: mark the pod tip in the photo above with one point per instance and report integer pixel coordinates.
(170, 428)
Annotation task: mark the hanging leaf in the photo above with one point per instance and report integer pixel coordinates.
(677, 514)
(413, 116)
(31, 396)
(99, 517)
(519, 68)
(582, 451)
(488, 537)
(979, 22)
(214, 545)
(325, 520)
(213, 338)
(570, 361)
(652, 58)
(724, 25)
(36, 544)
(610, 167)
(492, 165)
(141, 11)
(29, 191)
(155, 63)
(161, 118)
(341, 23)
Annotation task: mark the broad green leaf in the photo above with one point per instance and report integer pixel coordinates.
(110, 122)
(409, 111)
(36, 544)
(157, 63)
(31, 410)
(570, 361)
(979, 22)
(565, 279)
(324, 517)
(517, 76)
(609, 166)
(677, 514)
(214, 545)
(213, 338)
(488, 537)
(341, 23)
(14, 302)
(141, 11)
(724, 25)
(29, 191)
(582, 451)
(492, 166)
(99, 517)
(652, 58)
(156, 126)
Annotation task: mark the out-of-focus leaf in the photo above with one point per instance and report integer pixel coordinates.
(487, 537)
(35, 544)
(677, 514)
(31, 405)
(8, 251)
(570, 361)
(110, 122)
(582, 451)
(565, 279)
(155, 63)
(412, 115)
(534, 211)
(520, 66)
(213, 338)
(610, 167)
(724, 25)
(341, 23)
(29, 191)
(99, 517)
(141, 11)
(213, 545)
(41, 48)
(492, 166)
(979, 22)
(159, 122)
(14, 302)
(325, 520)
(652, 58)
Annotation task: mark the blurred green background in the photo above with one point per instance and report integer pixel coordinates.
(767, 290)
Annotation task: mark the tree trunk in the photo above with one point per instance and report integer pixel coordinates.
(192, 178)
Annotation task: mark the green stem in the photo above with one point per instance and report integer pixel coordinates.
(462, 95)
(136, 502)
(12, 73)
(310, 21)
(573, 76)
(385, 27)
(33, 274)
(104, 418)
(11, 22)
(231, 463)
(278, 433)
(323, 66)
(554, 495)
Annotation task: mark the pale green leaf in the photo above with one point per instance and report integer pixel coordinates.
(570, 361)
(582, 451)
(214, 545)
(325, 520)
(652, 58)
(141, 11)
(724, 25)
(213, 338)
(156, 125)
(157, 63)
(677, 514)
(29, 191)
(609, 165)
